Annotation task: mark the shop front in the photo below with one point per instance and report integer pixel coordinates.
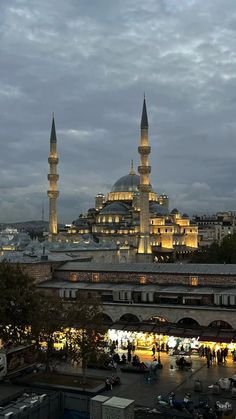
(170, 338)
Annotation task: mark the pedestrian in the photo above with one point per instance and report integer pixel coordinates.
(225, 354)
(123, 357)
(214, 355)
(208, 360)
(129, 356)
(153, 350)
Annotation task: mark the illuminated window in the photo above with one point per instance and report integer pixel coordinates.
(73, 276)
(194, 281)
(142, 279)
(95, 277)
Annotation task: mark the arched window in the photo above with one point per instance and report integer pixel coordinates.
(220, 324)
(188, 321)
(106, 320)
(129, 318)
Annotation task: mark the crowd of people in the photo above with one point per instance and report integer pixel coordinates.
(219, 357)
(213, 356)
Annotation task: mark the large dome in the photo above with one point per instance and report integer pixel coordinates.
(128, 183)
(115, 208)
(157, 209)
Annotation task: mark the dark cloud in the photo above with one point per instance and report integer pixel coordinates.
(90, 62)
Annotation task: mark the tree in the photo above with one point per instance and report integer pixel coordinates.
(86, 334)
(17, 299)
(225, 252)
(228, 249)
(48, 318)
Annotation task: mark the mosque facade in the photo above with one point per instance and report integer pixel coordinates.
(135, 217)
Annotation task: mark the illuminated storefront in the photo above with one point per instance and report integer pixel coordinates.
(145, 341)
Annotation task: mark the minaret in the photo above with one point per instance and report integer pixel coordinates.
(53, 178)
(144, 187)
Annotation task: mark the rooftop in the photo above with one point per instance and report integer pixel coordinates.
(171, 289)
(155, 268)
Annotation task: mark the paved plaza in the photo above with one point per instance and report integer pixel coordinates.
(169, 378)
(137, 386)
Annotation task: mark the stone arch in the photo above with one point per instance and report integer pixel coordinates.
(129, 317)
(220, 324)
(188, 322)
(106, 319)
(123, 259)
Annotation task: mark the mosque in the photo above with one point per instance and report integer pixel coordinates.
(132, 215)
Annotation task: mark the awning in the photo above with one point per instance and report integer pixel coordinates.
(210, 336)
(163, 329)
(192, 297)
(132, 327)
(118, 326)
(189, 333)
(146, 327)
(162, 249)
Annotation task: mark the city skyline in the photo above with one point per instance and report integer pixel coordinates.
(90, 65)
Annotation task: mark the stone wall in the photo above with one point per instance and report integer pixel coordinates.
(150, 278)
(40, 271)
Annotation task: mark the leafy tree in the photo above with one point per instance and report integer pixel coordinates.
(48, 318)
(17, 298)
(228, 250)
(225, 252)
(87, 334)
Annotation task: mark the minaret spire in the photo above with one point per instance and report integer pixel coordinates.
(53, 178)
(144, 118)
(144, 186)
(132, 172)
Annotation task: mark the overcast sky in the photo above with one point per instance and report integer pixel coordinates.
(90, 63)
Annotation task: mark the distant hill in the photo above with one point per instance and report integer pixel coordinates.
(34, 228)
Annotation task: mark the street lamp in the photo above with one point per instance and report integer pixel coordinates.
(159, 348)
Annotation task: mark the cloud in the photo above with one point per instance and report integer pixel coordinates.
(90, 64)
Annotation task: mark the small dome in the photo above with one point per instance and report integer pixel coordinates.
(115, 208)
(174, 211)
(92, 211)
(157, 209)
(81, 222)
(128, 183)
(185, 216)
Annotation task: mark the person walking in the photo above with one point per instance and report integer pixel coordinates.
(153, 350)
(218, 356)
(129, 356)
(208, 357)
(225, 354)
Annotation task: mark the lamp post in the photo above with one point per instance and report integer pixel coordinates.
(159, 348)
